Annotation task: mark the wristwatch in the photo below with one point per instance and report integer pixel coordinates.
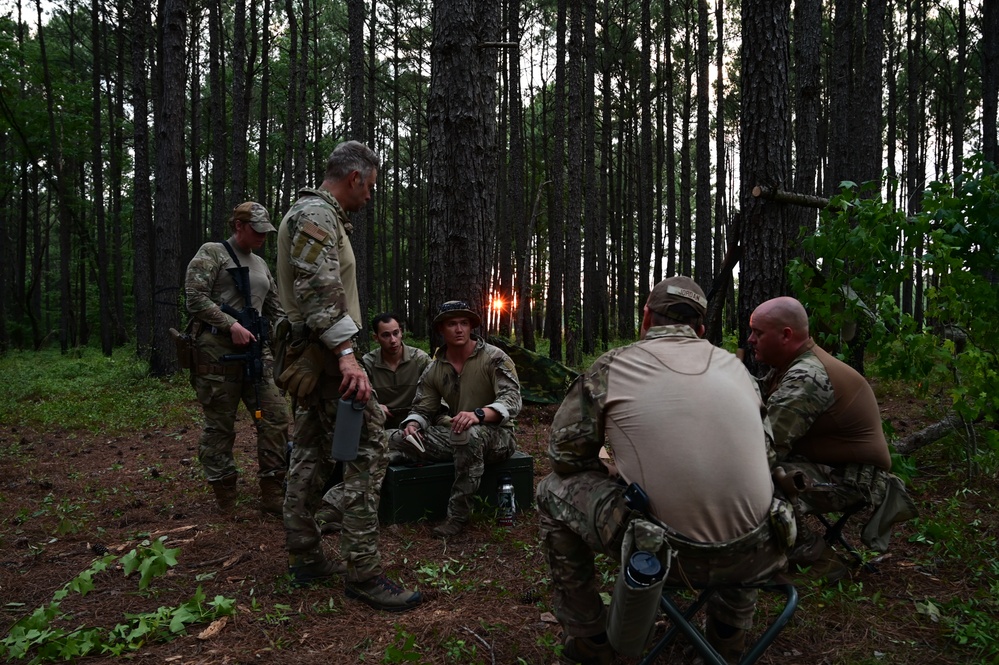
(481, 415)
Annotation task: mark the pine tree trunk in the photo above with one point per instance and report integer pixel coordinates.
(764, 140)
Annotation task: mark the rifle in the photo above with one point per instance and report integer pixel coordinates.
(252, 320)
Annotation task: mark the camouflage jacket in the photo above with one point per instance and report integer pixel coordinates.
(488, 379)
(825, 411)
(208, 285)
(317, 276)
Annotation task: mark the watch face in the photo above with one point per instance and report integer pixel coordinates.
(480, 414)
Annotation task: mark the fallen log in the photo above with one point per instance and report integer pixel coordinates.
(924, 437)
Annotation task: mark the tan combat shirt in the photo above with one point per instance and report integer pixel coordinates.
(396, 387)
(685, 421)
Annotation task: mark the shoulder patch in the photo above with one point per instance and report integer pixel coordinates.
(312, 230)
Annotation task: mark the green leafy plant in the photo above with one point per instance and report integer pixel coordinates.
(403, 648)
(39, 634)
(444, 576)
(150, 560)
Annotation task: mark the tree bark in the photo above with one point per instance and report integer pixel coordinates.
(703, 270)
(764, 139)
(990, 79)
(240, 106)
(97, 173)
(556, 234)
(171, 187)
(142, 209)
(462, 150)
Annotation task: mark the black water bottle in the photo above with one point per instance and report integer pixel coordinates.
(347, 430)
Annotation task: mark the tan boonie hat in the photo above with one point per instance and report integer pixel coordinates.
(453, 308)
(256, 215)
(677, 290)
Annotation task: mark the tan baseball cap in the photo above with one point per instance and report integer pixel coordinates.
(256, 215)
(674, 291)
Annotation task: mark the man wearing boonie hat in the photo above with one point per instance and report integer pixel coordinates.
(221, 386)
(478, 384)
(684, 420)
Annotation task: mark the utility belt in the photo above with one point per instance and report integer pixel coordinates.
(745, 543)
(777, 526)
(191, 358)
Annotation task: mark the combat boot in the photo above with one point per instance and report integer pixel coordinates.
(225, 492)
(593, 650)
(452, 526)
(272, 494)
(729, 647)
(313, 566)
(329, 518)
(382, 593)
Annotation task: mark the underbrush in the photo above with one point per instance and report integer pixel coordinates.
(84, 390)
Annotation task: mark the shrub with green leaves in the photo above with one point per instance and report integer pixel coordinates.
(865, 250)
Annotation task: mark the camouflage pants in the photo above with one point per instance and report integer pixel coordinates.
(487, 444)
(584, 513)
(837, 488)
(220, 397)
(311, 466)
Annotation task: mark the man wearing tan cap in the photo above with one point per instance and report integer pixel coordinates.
(211, 283)
(684, 421)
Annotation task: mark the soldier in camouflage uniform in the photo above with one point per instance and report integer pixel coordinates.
(479, 385)
(318, 285)
(220, 386)
(684, 420)
(395, 368)
(826, 423)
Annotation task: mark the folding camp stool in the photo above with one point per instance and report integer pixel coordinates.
(680, 621)
(834, 533)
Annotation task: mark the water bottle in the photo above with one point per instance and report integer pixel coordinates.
(635, 603)
(506, 501)
(347, 431)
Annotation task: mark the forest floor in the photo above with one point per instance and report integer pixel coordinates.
(65, 495)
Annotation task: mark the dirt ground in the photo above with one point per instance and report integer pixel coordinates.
(65, 496)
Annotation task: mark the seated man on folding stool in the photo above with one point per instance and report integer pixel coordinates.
(685, 421)
(827, 426)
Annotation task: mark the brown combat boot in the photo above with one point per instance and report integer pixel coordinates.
(272, 494)
(593, 650)
(452, 526)
(729, 647)
(313, 566)
(225, 492)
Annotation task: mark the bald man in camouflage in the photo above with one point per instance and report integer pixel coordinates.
(827, 426)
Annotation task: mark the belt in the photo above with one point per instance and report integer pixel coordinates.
(223, 369)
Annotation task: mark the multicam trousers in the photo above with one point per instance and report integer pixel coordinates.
(834, 489)
(310, 468)
(487, 444)
(584, 513)
(220, 397)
